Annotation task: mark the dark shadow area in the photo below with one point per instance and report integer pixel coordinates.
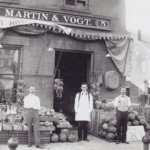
(73, 69)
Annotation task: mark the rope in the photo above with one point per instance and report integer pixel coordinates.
(60, 55)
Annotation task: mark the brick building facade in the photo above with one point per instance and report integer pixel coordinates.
(38, 64)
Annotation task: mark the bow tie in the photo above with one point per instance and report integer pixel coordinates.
(123, 96)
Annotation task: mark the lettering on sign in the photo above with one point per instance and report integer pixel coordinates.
(135, 133)
(62, 19)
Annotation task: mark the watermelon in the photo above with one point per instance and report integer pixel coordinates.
(135, 123)
(135, 113)
(100, 133)
(105, 126)
(71, 138)
(129, 123)
(111, 129)
(147, 127)
(140, 117)
(103, 134)
(131, 116)
(105, 120)
(54, 138)
(113, 122)
(62, 137)
(130, 111)
(110, 136)
(142, 121)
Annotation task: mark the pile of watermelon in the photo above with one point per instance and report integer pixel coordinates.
(62, 137)
(136, 119)
(108, 129)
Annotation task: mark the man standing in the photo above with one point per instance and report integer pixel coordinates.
(122, 104)
(32, 107)
(83, 107)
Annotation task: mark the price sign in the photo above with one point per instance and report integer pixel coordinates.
(135, 133)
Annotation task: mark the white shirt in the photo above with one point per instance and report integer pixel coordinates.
(32, 101)
(122, 98)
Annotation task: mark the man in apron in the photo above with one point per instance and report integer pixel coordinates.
(122, 104)
(83, 107)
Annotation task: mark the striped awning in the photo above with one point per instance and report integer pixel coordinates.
(75, 32)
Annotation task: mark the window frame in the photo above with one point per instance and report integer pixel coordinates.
(19, 48)
(75, 6)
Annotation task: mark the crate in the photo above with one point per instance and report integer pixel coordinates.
(97, 117)
(23, 136)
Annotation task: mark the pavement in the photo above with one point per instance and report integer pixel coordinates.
(94, 144)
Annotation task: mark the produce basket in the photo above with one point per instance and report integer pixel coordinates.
(17, 127)
(25, 128)
(7, 127)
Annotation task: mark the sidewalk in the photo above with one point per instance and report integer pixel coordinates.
(94, 144)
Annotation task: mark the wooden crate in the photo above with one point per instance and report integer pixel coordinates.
(97, 117)
(23, 136)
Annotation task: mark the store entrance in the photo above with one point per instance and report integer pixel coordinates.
(73, 68)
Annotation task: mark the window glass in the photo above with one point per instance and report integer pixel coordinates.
(9, 70)
(70, 2)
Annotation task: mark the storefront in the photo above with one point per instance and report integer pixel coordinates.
(40, 47)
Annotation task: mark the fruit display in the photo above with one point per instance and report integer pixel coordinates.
(58, 87)
(104, 105)
(64, 123)
(47, 125)
(108, 129)
(47, 112)
(62, 137)
(136, 119)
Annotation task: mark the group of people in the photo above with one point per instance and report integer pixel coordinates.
(83, 107)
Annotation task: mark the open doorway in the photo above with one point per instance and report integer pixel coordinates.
(73, 68)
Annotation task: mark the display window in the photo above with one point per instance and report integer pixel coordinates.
(9, 74)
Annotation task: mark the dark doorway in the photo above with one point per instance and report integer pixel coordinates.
(73, 68)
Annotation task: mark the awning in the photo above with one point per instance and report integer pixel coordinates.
(75, 32)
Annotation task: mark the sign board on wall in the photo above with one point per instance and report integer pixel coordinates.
(59, 18)
(135, 133)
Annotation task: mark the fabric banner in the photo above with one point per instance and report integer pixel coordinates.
(120, 52)
(7, 22)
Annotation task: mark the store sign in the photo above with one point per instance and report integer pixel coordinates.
(62, 19)
(135, 133)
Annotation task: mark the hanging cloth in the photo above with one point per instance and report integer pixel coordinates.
(120, 52)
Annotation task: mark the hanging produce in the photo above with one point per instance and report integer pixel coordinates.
(21, 85)
(95, 91)
(58, 87)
